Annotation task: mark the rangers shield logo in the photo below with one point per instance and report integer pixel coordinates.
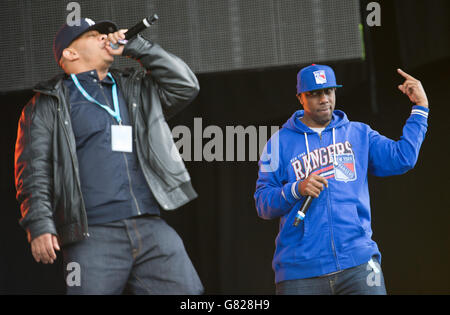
(344, 170)
(320, 76)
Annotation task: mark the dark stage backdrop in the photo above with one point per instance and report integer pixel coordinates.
(423, 27)
(210, 35)
(230, 246)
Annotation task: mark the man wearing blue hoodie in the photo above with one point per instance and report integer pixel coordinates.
(320, 153)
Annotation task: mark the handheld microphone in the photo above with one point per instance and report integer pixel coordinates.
(302, 212)
(133, 31)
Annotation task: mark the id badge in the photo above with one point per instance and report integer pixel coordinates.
(121, 138)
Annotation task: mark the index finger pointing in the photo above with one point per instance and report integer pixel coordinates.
(405, 75)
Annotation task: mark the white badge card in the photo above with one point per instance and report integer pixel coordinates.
(121, 138)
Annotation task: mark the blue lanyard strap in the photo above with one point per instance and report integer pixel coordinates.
(116, 112)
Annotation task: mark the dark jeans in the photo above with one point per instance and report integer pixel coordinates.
(360, 280)
(141, 255)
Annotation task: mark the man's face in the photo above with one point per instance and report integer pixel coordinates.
(91, 49)
(319, 106)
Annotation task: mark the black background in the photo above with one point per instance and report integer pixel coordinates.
(229, 245)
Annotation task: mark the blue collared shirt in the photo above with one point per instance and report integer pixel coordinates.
(112, 183)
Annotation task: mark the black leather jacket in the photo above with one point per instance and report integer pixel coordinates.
(46, 166)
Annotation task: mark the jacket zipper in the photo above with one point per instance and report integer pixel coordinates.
(131, 189)
(333, 246)
(133, 196)
(132, 93)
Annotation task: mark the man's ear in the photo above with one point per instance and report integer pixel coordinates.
(70, 54)
(299, 96)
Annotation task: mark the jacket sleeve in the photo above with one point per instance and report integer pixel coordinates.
(33, 169)
(177, 84)
(274, 197)
(388, 157)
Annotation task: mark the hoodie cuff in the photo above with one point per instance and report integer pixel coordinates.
(421, 111)
(419, 115)
(290, 192)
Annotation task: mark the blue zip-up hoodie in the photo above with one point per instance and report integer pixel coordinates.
(336, 233)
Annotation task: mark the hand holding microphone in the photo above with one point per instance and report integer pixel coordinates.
(311, 188)
(123, 36)
(114, 40)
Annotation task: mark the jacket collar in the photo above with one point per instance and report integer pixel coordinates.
(51, 86)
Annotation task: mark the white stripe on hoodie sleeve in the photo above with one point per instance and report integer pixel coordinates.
(420, 111)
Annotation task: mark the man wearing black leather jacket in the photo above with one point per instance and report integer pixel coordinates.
(95, 162)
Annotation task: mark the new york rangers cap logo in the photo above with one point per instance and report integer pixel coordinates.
(320, 77)
(316, 77)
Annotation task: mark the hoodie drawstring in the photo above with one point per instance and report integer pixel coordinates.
(301, 215)
(308, 168)
(334, 147)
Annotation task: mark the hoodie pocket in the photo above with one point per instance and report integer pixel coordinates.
(316, 235)
(291, 234)
(347, 228)
(290, 238)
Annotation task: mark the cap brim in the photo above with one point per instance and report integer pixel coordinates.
(322, 88)
(104, 27)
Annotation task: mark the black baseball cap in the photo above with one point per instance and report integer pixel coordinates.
(67, 33)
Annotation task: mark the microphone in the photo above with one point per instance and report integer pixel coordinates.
(301, 214)
(133, 31)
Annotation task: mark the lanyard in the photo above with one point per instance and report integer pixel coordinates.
(116, 112)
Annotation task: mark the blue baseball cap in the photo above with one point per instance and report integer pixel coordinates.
(316, 77)
(67, 34)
